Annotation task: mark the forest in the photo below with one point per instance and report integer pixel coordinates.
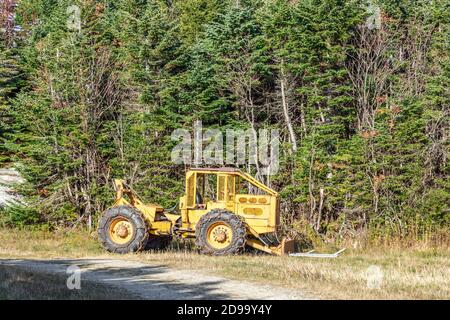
(358, 90)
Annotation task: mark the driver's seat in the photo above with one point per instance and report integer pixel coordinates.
(198, 198)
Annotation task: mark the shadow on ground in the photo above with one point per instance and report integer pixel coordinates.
(142, 281)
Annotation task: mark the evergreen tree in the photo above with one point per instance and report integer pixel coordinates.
(362, 109)
(61, 134)
(11, 79)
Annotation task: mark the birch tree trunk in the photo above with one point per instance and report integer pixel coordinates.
(285, 105)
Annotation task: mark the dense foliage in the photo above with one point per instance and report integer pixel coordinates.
(358, 90)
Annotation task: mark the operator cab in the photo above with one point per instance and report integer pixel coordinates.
(212, 185)
(232, 190)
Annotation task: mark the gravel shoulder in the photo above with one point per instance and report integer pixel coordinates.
(157, 282)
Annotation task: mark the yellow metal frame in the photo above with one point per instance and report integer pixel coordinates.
(260, 212)
(150, 211)
(286, 246)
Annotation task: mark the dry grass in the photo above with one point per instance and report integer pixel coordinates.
(415, 273)
(406, 275)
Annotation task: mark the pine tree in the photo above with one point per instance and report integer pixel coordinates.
(362, 111)
(11, 79)
(151, 46)
(61, 137)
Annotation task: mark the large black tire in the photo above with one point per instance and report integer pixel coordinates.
(237, 226)
(139, 236)
(158, 242)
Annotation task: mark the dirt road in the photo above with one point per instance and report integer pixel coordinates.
(156, 281)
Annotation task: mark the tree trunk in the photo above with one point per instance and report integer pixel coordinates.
(287, 117)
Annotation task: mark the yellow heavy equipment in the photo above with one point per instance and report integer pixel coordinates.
(224, 209)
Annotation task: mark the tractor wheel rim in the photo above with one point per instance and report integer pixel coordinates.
(121, 230)
(219, 235)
